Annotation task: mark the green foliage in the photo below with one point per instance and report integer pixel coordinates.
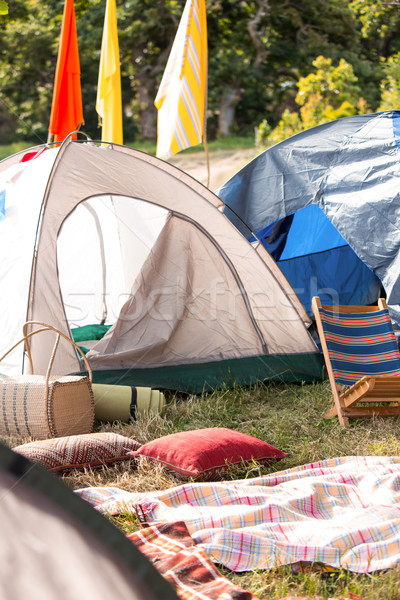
(290, 124)
(3, 7)
(27, 65)
(263, 132)
(390, 85)
(380, 20)
(328, 93)
(334, 85)
(258, 52)
(13, 148)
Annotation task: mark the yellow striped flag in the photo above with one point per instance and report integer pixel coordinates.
(181, 98)
(109, 103)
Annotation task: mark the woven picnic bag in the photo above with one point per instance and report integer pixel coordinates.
(44, 406)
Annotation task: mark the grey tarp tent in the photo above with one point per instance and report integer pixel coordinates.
(55, 545)
(112, 236)
(326, 203)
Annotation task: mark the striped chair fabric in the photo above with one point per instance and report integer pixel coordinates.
(360, 344)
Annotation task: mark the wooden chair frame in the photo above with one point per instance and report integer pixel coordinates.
(383, 389)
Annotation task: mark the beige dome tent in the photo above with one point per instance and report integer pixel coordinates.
(55, 545)
(115, 238)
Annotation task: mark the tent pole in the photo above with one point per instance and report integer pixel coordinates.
(207, 158)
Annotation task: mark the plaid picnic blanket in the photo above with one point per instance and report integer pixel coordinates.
(172, 551)
(344, 512)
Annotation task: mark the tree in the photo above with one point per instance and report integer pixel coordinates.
(28, 56)
(390, 85)
(238, 40)
(301, 32)
(146, 33)
(326, 94)
(379, 24)
(258, 51)
(380, 20)
(26, 65)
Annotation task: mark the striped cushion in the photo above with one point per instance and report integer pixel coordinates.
(79, 451)
(360, 344)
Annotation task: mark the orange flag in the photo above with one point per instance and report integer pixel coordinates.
(66, 111)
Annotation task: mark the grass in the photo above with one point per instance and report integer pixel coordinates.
(8, 149)
(320, 585)
(287, 416)
(231, 142)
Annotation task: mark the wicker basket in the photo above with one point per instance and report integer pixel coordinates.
(43, 406)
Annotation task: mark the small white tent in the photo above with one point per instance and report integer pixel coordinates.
(110, 235)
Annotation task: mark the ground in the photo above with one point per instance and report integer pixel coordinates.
(223, 164)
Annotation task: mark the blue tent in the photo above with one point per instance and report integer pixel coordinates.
(326, 204)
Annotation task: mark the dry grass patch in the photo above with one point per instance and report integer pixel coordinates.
(281, 582)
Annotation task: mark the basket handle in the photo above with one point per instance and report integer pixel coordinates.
(45, 327)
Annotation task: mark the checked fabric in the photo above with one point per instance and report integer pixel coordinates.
(172, 551)
(342, 512)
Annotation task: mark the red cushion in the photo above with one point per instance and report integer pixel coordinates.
(204, 453)
(79, 451)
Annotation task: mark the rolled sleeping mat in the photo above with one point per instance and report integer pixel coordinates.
(124, 403)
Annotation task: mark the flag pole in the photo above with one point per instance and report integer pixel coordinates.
(205, 140)
(207, 156)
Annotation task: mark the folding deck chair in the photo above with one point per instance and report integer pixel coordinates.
(360, 352)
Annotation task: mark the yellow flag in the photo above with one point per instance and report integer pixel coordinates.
(181, 98)
(109, 103)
